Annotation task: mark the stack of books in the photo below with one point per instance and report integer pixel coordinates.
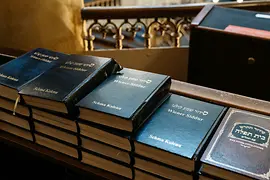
(41, 89)
(83, 106)
(173, 139)
(13, 76)
(126, 121)
(112, 113)
(239, 149)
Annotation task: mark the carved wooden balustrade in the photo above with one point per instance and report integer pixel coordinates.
(132, 27)
(103, 3)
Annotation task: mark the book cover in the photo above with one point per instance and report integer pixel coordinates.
(241, 145)
(18, 72)
(65, 84)
(179, 127)
(130, 96)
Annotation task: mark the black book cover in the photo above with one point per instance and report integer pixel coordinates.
(179, 127)
(131, 95)
(18, 72)
(241, 145)
(70, 81)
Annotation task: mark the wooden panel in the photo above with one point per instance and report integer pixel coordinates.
(170, 61)
(221, 97)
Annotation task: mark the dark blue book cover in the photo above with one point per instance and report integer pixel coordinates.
(179, 126)
(69, 81)
(25, 68)
(126, 94)
(240, 146)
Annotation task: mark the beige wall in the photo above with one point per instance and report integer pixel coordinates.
(52, 24)
(170, 61)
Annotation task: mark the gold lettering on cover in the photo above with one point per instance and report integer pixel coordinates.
(264, 175)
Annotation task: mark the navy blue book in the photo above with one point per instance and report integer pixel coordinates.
(240, 147)
(18, 72)
(125, 99)
(60, 88)
(178, 132)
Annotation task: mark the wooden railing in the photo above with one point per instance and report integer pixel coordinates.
(103, 3)
(131, 27)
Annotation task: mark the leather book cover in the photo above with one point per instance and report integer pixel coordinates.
(71, 80)
(241, 145)
(27, 67)
(127, 93)
(180, 126)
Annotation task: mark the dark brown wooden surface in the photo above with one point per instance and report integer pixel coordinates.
(197, 20)
(184, 10)
(221, 97)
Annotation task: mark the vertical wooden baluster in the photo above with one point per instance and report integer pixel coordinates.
(176, 34)
(119, 2)
(177, 39)
(119, 37)
(179, 25)
(85, 36)
(91, 38)
(148, 35)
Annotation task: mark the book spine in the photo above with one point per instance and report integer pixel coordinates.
(86, 87)
(152, 104)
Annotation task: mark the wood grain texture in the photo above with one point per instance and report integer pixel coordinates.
(202, 14)
(221, 97)
(186, 10)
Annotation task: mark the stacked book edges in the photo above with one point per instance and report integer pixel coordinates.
(126, 121)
